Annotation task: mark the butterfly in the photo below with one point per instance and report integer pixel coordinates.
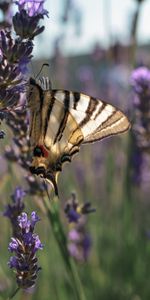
(61, 121)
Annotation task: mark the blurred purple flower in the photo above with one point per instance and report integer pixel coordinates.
(74, 210)
(25, 247)
(79, 240)
(85, 73)
(140, 81)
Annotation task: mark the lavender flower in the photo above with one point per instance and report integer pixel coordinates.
(25, 247)
(140, 81)
(79, 240)
(12, 211)
(15, 53)
(26, 21)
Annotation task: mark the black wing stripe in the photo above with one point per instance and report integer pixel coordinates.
(104, 124)
(76, 96)
(100, 110)
(65, 117)
(89, 111)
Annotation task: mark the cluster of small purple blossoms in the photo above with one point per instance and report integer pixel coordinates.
(25, 247)
(79, 240)
(140, 81)
(15, 53)
(27, 19)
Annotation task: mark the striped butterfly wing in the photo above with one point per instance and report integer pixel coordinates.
(95, 118)
(60, 121)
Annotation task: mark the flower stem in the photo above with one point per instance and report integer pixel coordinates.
(14, 294)
(60, 237)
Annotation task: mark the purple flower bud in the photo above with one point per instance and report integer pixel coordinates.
(18, 195)
(13, 245)
(13, 262)
(37, 242)
(74, 210)
(34, 219)
(73, 216)
(23, 222)
(74, 235)
(33, 7)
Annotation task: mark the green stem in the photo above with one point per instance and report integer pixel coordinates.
(14, 294)
(60, 237)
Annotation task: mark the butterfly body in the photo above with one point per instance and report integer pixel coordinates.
(60, 121)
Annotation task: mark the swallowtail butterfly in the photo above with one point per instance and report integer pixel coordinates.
(60, 121)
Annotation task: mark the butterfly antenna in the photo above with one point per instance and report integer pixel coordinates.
(44, 65)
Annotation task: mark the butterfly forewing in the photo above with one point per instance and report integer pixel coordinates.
(95, 118)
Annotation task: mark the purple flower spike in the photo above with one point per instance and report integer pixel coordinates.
(25, 247)
(140, 79)
(79, 240)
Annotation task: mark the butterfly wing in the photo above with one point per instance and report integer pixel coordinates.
(61, 121)
(95, 118)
